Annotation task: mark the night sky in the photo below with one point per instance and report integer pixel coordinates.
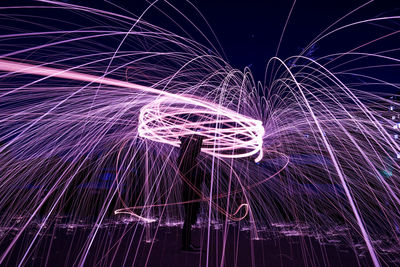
(249, 31)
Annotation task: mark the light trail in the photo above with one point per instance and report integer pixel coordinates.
(309, 144)
(162, 119)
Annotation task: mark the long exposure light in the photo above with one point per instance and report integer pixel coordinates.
(106, 117)
(227, 133)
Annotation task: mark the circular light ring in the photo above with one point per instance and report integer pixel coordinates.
(226, 133)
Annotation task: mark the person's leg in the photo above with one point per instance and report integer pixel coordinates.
(186, 234)
(187, 227)
(194, 212)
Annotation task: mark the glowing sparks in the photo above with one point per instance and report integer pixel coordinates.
(225, 132)
(164, 120)
(78, 109)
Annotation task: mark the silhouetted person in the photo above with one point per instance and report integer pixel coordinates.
(192, 178)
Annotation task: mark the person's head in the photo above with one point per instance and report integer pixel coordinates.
(191, 145)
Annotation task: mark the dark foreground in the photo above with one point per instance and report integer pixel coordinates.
(122, 244)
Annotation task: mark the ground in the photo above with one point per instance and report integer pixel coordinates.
(122, 243)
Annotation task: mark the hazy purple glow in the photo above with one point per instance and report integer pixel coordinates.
(101, 109)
